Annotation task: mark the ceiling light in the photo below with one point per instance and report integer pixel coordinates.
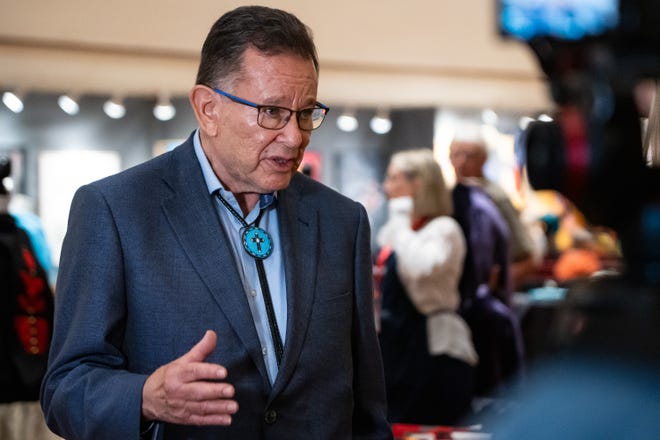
(114, 108)
(8, 183)
(381, 123)
(489, 117)
(544, 117)
(164, 110)
(524, 122)
(347, 121)
(13, 101)
(68, 104)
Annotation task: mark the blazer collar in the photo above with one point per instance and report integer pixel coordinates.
(298, 222)
(193, 218)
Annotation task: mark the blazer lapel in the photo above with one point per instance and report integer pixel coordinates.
(194, 220)
(299, 235)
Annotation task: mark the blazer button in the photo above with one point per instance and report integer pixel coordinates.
(270, 417)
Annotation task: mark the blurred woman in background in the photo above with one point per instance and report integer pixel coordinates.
(427, 350)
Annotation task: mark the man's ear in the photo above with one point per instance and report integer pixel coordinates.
(482, 158)
(206, 108)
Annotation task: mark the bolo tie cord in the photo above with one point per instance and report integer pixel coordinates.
(259, 236)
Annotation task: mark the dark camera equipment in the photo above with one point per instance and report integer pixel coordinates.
(593, 54)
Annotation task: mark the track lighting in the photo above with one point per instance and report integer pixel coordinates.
(68, 104)
(164, 110)
(489, 117)
(381, 123)
(524, 121)
(114, 108)
(347, 121)
(13, 101)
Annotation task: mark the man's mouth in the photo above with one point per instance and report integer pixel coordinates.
(282, 164)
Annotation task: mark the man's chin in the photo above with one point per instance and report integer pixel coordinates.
(279, 184)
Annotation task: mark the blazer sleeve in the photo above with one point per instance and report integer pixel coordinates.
(369, 415)
(87, 391)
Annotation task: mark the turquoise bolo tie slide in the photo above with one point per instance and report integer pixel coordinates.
(257, 242)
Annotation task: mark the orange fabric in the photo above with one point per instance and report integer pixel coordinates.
(576, 263)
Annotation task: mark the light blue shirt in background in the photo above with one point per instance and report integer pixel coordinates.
(32, 225)
(273, 265)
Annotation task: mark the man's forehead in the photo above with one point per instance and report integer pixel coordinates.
(467, 147)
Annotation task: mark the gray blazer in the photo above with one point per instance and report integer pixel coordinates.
(146, 269)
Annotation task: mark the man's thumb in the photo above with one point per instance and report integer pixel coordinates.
(203, 348)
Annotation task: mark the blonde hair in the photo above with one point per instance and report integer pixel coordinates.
(432, 198)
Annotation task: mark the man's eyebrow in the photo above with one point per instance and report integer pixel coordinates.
(279, 101)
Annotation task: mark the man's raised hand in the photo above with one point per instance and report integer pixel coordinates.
(190, 391)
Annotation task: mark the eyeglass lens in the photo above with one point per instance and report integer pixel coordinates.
(277, 117)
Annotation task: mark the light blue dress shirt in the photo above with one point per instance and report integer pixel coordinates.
(273, 265)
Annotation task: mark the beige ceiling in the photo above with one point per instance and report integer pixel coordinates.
(372, 52)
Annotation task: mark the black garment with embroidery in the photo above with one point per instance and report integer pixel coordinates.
(26, 315)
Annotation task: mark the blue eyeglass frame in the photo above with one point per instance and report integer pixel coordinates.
(238, 100)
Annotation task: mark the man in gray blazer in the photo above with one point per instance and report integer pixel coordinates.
(214, 292)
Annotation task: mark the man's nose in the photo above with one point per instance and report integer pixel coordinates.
(293, 132)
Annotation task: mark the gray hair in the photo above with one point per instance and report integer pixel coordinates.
(270, 31)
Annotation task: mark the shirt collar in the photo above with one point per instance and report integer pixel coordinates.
(213, 184)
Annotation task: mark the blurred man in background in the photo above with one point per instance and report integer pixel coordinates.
(468, 155)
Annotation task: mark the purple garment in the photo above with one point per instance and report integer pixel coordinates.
(487, 240)
(498, 341)
(495, 328)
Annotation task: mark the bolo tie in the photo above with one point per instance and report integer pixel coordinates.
(259, 245)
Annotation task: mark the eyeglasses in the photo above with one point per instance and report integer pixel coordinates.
(273, 117)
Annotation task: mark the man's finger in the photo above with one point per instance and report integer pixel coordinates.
(206, 391)
(195, 371)
(202, 349)
(210, 412)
